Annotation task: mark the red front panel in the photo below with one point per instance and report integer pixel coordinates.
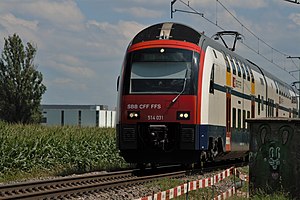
(158, 108)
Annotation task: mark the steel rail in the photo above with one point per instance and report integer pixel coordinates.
(69, 186)
(23, 189)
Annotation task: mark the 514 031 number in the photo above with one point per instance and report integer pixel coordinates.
(155, 117)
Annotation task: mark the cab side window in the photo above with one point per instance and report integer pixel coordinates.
(212, 80)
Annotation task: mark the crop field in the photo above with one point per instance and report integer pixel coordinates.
(33, 151)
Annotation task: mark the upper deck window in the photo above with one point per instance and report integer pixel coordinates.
(276, 87)
(238, 67)
(261, 81)
(243, 70)
(226, 62)
(247, 71)
(251, 73)
(232, 65)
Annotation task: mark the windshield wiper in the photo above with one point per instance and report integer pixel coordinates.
(183, 89)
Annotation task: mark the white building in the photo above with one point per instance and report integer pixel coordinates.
(80, 115)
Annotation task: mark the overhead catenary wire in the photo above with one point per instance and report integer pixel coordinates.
(251, 32)
(243, 28)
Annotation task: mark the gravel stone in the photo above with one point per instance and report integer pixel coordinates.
(138, 191)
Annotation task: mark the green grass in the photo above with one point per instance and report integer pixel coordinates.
(209, 193)
(270, 197)
(262, 196)
(165, 184)
(28, 151)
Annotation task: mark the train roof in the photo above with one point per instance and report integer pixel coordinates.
(181, 32)
(252, 65)
(168, 30)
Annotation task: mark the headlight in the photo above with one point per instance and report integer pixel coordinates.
(133, 115)
(183, 115)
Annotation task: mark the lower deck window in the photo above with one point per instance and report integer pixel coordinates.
(233, 118)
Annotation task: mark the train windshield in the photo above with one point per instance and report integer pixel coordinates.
(162, 71)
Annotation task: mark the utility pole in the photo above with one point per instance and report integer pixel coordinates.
(297, 82)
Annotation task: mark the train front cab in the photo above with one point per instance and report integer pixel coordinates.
(158, 103)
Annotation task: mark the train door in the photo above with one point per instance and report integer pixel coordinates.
(228, 102)
(252, 106)
(252, 92)
(228, 119)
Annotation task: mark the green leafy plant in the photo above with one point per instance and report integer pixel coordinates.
(56, 150)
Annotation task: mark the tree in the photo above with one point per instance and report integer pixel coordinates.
(21, 86)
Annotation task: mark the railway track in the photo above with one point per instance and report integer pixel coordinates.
(75, 186)
(68, 187)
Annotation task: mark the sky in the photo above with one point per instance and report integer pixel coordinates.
(81, 43)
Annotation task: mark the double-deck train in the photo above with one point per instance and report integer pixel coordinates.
(184, 98)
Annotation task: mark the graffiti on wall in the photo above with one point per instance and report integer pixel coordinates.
(269, 152)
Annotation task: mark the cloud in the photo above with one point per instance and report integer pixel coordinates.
(253, 4)
(295, 17)
(147, 2)
(70, 83)
(140, 12)
(125, 29)
(90, 60)
(72, 66)
(8, 21)
(111, 39)
(26, 29)
(64, 13)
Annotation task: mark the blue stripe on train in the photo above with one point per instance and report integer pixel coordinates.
(239, 137)
(203, 132)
